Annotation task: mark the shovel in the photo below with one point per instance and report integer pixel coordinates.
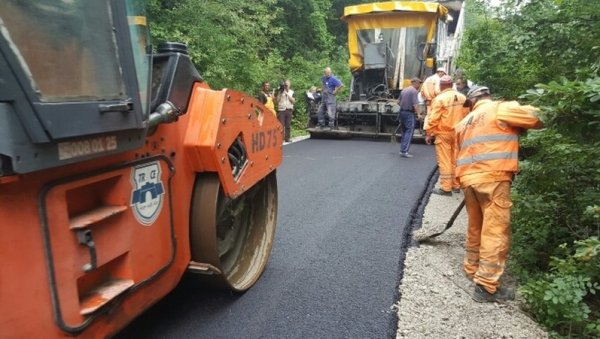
(426, 237)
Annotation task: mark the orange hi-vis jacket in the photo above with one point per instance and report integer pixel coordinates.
(446, 111)
(431, 87)
(488, 141)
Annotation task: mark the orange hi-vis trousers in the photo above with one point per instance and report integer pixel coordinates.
(444, 152)
(488, 233)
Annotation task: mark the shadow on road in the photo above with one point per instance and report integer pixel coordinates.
(191, 298)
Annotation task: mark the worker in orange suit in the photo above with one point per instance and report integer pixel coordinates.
(431, 87)
(447, 109)
(488, 145)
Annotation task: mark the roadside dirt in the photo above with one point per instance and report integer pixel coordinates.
(436, 295)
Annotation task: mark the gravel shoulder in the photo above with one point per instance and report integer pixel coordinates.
(435, 295)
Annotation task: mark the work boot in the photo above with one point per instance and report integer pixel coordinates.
(440, 191)
(481, 295)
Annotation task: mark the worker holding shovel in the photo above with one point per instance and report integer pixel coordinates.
(488, 144)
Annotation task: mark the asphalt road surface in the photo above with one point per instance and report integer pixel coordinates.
(336, 260)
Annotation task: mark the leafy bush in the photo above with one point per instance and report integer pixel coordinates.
(560, 178)
(522, 43)
(556, 202)
(565, 299)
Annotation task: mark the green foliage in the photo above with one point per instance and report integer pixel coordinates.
(559, 181)
(573, 107)
(512, 48)
(556, 186)
(240, 44)
(556, 202)
(227, 40)
(561, 299)
(305, 28)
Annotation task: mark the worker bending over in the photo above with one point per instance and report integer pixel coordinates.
(488, 146)
(447, 109)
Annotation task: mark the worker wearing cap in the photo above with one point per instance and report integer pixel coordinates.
(488, 145)
(409, 103)
(431, 87)
(447, 109)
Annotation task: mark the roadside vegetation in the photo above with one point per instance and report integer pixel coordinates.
(547, 53)
(239, 44)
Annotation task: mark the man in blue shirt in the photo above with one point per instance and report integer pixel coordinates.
(409, 102)
(331, 85)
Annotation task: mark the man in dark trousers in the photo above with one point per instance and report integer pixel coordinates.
(285, 108)
(409, 102)
(330, 85)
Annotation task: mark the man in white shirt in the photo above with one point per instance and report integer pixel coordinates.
(285, 107)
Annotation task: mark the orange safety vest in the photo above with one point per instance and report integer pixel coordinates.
(431, 87)
(486, 144)
(446, 111)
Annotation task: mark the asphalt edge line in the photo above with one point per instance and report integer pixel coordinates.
(413, 220)
(297, 139)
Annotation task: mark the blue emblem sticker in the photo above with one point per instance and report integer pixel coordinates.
(147, 194)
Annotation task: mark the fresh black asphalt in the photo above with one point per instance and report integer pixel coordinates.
(337, 256)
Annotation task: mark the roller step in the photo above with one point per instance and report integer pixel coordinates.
(102, 294)
(93, 216)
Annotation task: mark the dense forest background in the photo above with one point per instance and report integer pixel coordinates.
(239, 44)
(542, 52)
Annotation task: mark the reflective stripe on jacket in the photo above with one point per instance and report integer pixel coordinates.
(446, 111)
(488, 138)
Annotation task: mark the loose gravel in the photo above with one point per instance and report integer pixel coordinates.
(435, 294)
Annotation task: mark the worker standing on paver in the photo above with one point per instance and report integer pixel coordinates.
(330, 87)
(447, 109)
(488, 146)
